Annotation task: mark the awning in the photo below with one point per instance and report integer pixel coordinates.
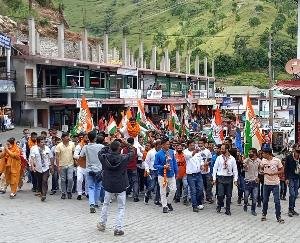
(287, 85)
(290, 87)
(7, 86)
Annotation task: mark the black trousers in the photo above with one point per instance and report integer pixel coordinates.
(33, 180)
(55, 177)
(224, 185)
(42, 182)
(142, 179)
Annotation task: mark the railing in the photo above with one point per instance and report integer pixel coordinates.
(5, 75)
(69, 92)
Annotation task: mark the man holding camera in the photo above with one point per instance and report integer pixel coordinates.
(93, 170)
(115, 181)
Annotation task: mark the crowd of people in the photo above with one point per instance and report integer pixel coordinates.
(153, 167)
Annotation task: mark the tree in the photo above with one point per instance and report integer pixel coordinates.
(160, 39)
(259, 8)
(240, 44)
(225, 64)
(254, 22)
(179, 42)
(292, 30)
(221, 17)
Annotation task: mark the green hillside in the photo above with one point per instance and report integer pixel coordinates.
(233, 32)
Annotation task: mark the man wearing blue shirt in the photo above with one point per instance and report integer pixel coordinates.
(166, 166)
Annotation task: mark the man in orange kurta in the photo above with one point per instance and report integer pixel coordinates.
(181, 180)
(10, 165)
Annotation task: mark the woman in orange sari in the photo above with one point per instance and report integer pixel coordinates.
(10, 165)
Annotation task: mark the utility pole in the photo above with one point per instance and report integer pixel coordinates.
(271, 98)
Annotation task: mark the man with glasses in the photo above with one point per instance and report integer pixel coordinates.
(292, 171)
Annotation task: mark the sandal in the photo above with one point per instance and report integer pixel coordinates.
(263, 218)
(280, 221)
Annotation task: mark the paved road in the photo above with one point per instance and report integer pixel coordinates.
(27, 219)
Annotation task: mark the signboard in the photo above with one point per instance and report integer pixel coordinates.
(206, 102)
(226, 101)
(154, 94)
(91, 104)
(131, 102)
(130, 93)
(5, 41)
(127, 72)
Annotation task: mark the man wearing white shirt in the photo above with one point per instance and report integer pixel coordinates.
(194, 165)
(152, 176)
(206, 175)
(40, 156)
(225, 170)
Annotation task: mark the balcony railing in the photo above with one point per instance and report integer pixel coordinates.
(5, 75)
(69, 92)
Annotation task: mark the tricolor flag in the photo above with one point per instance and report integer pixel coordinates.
(141, 116)
(253, 137)
(175, 120)
(125, 118)
(112, 126)
(84, 121)
(217, 127)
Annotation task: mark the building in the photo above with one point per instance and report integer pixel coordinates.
(235, 98)
(52, 77)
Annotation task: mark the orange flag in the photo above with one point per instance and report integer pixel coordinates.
(85, 121)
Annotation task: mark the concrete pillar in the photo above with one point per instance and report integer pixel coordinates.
(153, 59)
(188, 63)
(197, 62)
(177, 61)
(80, 51)
(162, 64)
(124, 51)
(115, 54)
(213, 68)
(169, 65)
(85, 49)
(131, 60)
(205, 66)
(35, 117)
(105, 48)
(128, 58)
(8, 105)
(166, 59)
(8, 63)
(32, 31)
(61, 41)
(141, 61)
(38, 43)
(49, 125)
(98, 53)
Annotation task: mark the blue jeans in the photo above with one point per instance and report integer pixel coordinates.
(153, 185)
(251, 188)
(267, 191)
(196, 187)
(182, 184)
(133, 183)
(94, 190)
(121, 209)
(241, 186)
(293, 191)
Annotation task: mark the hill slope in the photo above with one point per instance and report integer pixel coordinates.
(226, 30)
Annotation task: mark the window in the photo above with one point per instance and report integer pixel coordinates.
(254, 101)
(278, 102)
(284, 102)
(132, 83)
(202, 85)
(97, 79)
(75, 78)
(237, 100)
